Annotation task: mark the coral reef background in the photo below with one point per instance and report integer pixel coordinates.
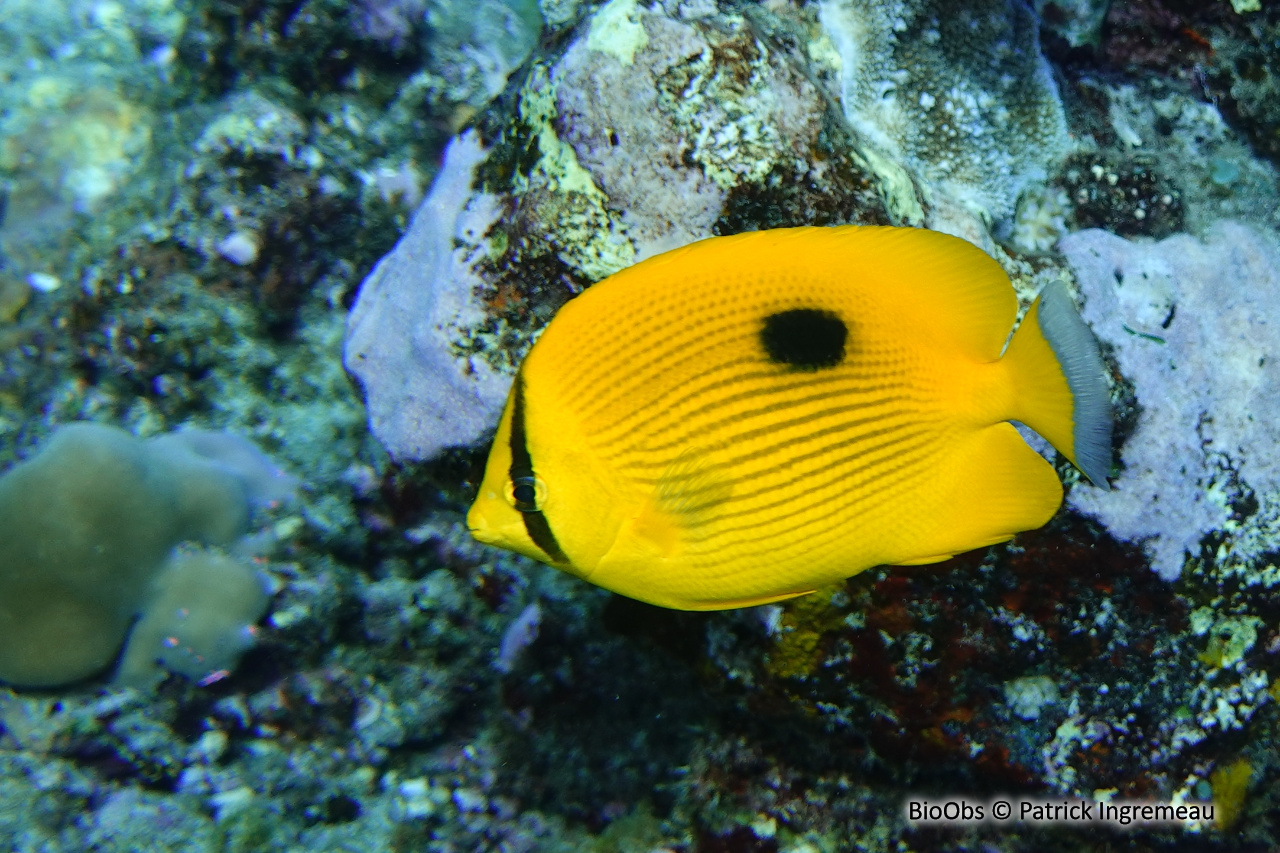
(206, 207)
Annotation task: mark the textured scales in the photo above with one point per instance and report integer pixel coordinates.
(751, 417)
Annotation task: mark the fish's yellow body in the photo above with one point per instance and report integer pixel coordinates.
(752, 417)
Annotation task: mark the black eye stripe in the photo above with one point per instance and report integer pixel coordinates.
(535, 523)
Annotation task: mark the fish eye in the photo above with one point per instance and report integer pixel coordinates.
(527, 494)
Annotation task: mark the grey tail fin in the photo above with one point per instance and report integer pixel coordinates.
(1081, 362)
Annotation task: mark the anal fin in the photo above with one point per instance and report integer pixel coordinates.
(989, 488)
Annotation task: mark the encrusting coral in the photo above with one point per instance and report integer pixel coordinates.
(957, 94)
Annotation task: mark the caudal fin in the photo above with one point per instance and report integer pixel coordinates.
(1061, 384)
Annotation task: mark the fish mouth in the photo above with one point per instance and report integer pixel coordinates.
(478, 526)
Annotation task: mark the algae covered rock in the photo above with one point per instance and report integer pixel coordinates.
(649, 131)
(657, 126)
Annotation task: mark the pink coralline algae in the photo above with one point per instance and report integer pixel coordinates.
(421, 397)
(1192, 324)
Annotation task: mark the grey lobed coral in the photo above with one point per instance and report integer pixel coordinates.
(87, 527)
(1191, 324)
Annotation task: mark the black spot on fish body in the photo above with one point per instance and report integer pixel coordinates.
(804, 338)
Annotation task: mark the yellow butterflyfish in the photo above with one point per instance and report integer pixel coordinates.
(752, 417)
